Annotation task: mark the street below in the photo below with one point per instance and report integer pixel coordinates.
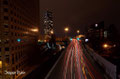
(76, 63)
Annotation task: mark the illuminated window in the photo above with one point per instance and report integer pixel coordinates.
(0, 64)
(105, 34)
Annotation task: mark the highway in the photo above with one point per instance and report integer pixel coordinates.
(76, 63)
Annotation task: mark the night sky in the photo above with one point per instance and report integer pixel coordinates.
(77, 14)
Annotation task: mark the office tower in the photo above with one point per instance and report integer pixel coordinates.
(19, 27)
(48, 23)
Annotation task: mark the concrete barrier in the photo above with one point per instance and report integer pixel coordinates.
(110, 69)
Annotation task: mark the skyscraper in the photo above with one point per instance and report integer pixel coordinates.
(95, 35)
(48, 23)
(19, 21)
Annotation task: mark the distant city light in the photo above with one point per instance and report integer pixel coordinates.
(18, 40)
(63, 47)
(66, 29)
(114, 45)
(86, 40)
(45, 40)
(52, 32)
(78, 31)
(96, 25)
(105, 45)
(105, 34)
(39, 40)
(0, 64)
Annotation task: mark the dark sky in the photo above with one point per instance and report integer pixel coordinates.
(80, 13)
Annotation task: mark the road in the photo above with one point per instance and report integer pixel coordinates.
(76, 63)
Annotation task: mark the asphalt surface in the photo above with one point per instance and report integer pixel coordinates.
(76, 63)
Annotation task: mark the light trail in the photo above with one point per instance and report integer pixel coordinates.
(76, 64)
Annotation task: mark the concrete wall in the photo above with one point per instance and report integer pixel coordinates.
(109, 68)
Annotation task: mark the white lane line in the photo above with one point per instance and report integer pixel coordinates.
(49, 73)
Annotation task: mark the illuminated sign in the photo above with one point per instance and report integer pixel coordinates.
(18, 40)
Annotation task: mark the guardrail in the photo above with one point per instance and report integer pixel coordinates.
(109, 68)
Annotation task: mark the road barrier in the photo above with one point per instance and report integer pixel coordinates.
(110, 69)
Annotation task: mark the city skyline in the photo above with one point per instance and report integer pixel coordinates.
(66, 39)
(79, 14)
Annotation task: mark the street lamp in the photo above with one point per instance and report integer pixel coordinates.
(78, 31)
(105, 45)
(66, 29)
(96, 25)
(0, 64)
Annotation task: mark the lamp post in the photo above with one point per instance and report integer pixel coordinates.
(105, 46)
(66, 30)
(78, 31)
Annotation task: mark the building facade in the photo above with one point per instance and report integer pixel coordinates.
(95, 34)
(48, 23)
(18, 32)
(96, 31)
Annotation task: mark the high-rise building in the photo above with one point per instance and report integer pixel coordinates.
(48, 23)
(19, 21)
(95, 35)
(96, 31)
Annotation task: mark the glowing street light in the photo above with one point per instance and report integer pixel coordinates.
(96, 25)
(0, 64)
(66, 29)
(78, 31)
(105, 45)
